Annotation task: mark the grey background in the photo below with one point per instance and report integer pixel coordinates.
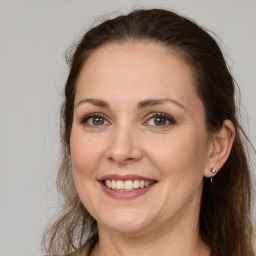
(34, 35)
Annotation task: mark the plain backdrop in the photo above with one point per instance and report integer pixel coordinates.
(34, 35)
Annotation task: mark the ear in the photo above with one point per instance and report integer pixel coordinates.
(220, 147)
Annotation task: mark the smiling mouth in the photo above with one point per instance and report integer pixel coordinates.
(128, 185)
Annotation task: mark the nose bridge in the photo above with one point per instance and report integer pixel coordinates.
(124, 146)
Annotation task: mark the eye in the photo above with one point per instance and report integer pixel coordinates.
(159, 119)
(94, 119)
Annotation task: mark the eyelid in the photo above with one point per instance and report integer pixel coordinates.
(148, 117)
(168, 117)
(85, 118)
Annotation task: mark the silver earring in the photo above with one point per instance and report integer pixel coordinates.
(214, 171)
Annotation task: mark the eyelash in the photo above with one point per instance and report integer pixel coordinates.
(149, 117)
(85, 119)
(161, 115)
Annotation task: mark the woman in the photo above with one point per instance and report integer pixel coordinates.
(154, 158)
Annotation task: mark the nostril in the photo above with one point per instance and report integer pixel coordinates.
(123, 146)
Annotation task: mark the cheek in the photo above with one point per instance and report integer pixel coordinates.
(182, 154)
(85, 155)
(85, 152)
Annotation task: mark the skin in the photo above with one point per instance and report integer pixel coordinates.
(128, 141)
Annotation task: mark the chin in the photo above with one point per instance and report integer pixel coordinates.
(124, 228)
(126, 223)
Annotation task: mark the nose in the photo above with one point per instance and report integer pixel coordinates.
(124, 146)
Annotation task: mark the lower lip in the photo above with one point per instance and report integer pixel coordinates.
(125, 194)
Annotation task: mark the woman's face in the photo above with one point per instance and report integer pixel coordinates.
(139, 145)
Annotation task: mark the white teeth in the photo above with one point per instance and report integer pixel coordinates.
(127, 185)
(136, 184)
(119, 184)
(108, 183)
(113, 184)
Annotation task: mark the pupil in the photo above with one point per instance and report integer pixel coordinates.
(98, 121)
(160, 121)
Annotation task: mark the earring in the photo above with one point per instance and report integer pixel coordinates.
(214, 171)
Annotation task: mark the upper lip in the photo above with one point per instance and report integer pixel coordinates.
(124, 177)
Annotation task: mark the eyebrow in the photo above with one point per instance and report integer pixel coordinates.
(96, 102)
(140, 105)
(153, 102)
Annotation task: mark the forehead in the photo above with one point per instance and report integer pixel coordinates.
(138, 68)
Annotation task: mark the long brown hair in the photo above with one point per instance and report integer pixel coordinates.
(225, 215)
